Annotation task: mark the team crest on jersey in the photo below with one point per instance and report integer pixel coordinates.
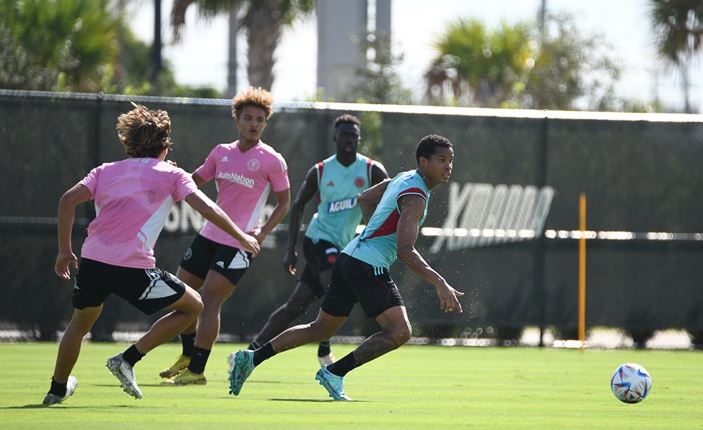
(341, 205)
(359, 182)
(253, 164)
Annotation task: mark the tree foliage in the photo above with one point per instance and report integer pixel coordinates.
(377, 80)
(517, 66)
(678, 34)
(263, 21)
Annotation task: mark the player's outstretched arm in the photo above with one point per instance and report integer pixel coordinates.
(306, 192)
(213, 213)
(369, 198)
(65, 258)
(412, 207)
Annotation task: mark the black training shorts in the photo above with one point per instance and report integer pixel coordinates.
(205, 254)
(355, 281)
(149, 290)
(319, 257)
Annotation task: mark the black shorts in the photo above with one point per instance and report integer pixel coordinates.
(149, 290)
(319, 257)
(204, 254)
(355, 281)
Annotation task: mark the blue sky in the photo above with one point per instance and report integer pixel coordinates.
(623, 24)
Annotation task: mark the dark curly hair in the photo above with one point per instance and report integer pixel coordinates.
(144, 132)
(428, 146)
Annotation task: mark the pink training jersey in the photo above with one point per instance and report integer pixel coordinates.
(244, 181)
(132, 200)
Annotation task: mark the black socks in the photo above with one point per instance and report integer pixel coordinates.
(263, 353)
(132, 355)
(188, 342)
(343, 366)
(324, 348)
(198, 360)
(57, 388)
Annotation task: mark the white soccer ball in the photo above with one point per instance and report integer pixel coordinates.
(631, 383)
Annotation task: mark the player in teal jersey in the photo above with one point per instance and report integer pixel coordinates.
(337, 182)
(399, 207)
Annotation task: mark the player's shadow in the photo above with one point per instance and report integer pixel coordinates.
(40, 406)
(314, 400)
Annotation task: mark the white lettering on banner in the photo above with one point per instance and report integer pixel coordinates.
(486, 214)
(182, 218)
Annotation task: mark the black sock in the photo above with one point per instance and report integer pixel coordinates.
(324, 348)
(253, 346)
(58, 388)
(343, 366)
(132, 355)
(188, 342)
(263, 353)
(198, 360)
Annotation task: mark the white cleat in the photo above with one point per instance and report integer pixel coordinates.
(53, 399)
(125, 373)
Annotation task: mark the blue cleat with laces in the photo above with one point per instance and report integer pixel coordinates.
(334, 384)
(243, 366)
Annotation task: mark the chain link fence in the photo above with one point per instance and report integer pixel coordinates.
(503, 231)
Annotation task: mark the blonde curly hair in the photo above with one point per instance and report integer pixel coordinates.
(257, 97)
(144, 132)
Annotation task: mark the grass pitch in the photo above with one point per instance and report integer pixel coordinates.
(413, 387)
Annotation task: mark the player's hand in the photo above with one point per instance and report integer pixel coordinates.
(64, 261)
(251, 244)
(449, 298)
(289, 261)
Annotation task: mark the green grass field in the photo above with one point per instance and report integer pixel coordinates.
(413, 387)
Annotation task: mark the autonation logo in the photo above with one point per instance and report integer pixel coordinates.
(236, 178)
(486, 214)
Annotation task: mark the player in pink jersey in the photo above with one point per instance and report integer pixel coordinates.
(132, 200)
(245, 172)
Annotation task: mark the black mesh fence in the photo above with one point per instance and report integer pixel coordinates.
(502, 231)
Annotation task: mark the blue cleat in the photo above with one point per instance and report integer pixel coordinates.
(243, 366)
(333, 384)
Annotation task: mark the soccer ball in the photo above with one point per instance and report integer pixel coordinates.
(631, 383)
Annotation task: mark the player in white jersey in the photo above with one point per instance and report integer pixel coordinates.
(132, 200)
(336, 182)
(360, 275)
(245, 172)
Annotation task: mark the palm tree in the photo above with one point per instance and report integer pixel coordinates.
(678, 28)
(263, 20)
(478, 66)
(76, 42)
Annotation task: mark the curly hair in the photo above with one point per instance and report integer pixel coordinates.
(428, 146)
(257, 97)
(347, 119)
(144, 132)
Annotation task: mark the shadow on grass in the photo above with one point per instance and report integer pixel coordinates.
(316, 400)
(40, 406)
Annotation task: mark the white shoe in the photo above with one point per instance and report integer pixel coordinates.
(326, 360)
(53, 399)
(125, 373)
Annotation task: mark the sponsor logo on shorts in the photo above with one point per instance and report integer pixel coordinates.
(220, 264)
(236, 178)
(341, 205)
(188, 254)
